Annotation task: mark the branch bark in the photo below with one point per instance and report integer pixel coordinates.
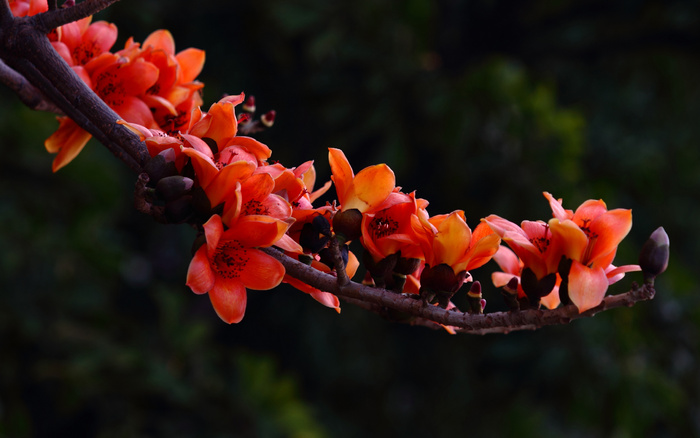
(378, 300)
(27, 51)
(47, 21)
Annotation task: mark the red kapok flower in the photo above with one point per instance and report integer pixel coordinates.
(229, 263)
(589, 237)
(364, 191)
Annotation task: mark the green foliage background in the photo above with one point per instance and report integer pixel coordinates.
(478, 106)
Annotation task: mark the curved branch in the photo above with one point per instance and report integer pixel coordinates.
(25, 91)
(30, 53)
(376, 299)
(47, 21)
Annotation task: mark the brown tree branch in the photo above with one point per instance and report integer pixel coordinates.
(25, 91)
(27, 50)
(378, 300)
(47, 21)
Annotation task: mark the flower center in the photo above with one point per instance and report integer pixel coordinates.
(382, 227)
(230, 259)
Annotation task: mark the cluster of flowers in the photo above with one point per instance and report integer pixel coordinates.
(147, 83)
(203, 172)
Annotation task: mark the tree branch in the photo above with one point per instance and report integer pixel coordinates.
(25, 91)
(378, 300)
(28, 51)
(47, 21)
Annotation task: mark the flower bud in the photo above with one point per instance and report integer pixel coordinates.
(249, 104)
(179, 210)
(268, 119)
(161, 166)
(474, 297)
(536, 288)
(510, 294)
(653, 258)
(173, 187)
(406, 266)
(347, 224)
(310, 239)
(439, 283)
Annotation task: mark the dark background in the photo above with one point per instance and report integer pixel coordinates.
(478, 106)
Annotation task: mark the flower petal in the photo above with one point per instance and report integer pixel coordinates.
(262, 271)
(191, 62)
(587, 286)
(229, 298)
(200, 277)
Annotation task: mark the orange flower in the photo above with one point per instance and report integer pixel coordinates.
(364, 191)
(229, 263)
(532, 242)
(589, 238)
(221, 126)
(448, 239)
(388, 230)
(512, 267)
(152, 87)
(80, 41)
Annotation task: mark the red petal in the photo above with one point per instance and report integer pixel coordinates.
(191, 62)
(262, 271)
(161, 40)
(200, 277)
(228, 296)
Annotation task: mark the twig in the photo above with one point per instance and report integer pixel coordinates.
(497, 322)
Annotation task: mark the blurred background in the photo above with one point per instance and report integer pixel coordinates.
(478, 106)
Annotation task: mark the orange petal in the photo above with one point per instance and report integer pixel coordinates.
(68, 141)
(161, 40)
(229, 297)
(480, 253)
(571, 240)
(507, 260)
(452, 240)
(191, 63)
(204, 167)
(137, 77)
(371, 186)
(327, 299)
(200, 277)
(100, 36)
(225, 181)
(588, 211)
(252, 231)
(551, 300)
(587, 286)
(213, 228)
(557, 210)
(262, 271)
(261, 151)
(135, 110)
(342, 173)
(608, 230)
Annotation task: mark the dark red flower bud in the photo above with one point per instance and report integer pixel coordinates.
(173, 187)
(249, 104)
(348, 224)
(655, 253)
(268, 119)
